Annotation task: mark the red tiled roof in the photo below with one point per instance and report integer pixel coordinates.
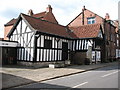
(11, 22)
(48, 16)
(39, 15)
(86, 31)
(48, 27)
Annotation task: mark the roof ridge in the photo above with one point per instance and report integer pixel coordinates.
(81, 13)
(39, 13)
(46, 16)
(37, 24)
(86, 25)
(9, 23)
(74, 19)
(95, 13)
(43, 20)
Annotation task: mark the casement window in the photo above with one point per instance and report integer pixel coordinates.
(91, 20)
(48, 43)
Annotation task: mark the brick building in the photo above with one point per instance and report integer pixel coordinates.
(116, 23)
(108, 48)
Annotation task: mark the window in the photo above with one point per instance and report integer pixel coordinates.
(48, 43)
(91, 20)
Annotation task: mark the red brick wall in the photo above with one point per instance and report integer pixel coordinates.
(110, 38)
(87, 14)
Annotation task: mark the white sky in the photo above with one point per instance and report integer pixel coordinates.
(64, 10)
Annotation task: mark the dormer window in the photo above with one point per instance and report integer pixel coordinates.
(91, 20)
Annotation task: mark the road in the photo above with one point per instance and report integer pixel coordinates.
(106, 77)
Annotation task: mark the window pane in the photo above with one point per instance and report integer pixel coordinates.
(93, 21)
(89, 22)
(48, 43)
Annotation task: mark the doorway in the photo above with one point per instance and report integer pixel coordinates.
(64, 50)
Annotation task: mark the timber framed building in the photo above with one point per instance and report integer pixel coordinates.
(41, 39)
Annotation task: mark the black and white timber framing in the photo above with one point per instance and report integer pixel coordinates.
(32, 44)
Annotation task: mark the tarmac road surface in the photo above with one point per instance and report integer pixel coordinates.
(106, 77)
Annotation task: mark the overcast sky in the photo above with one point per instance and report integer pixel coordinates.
(64, 10)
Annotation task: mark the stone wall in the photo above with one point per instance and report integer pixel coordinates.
(42, 64)
(78, 57)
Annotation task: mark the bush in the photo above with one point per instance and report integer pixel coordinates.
(87, 61)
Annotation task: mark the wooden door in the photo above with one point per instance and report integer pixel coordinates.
(64, 50)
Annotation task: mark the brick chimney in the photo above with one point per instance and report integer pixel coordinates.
(107, 17)
(49, 8)
(83, 8)
(83, 15)
(30, 12)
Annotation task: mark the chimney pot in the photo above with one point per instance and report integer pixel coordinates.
(83, 8)
(30, 12)
(49, 8)
(107, 17)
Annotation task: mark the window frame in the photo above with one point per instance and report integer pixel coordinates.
(90, 20)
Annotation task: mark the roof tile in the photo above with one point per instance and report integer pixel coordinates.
(11, 22)
(48, 16)
(48, 27)
(86, 31)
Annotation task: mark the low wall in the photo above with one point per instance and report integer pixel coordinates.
(78, 57)
(42, 64)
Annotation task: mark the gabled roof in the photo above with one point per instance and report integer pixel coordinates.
(48, 16)
(87, 31)
(82, 13)
(74, 19)
(95, 13)
(44, 27)
(11, 22)
(39, 15)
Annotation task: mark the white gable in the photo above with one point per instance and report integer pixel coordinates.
(25, 28)
(21, 28)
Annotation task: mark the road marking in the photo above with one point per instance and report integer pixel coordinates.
(79, 85)
(109, 74)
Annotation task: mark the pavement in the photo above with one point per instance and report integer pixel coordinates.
(14, 75)
(97, 78)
